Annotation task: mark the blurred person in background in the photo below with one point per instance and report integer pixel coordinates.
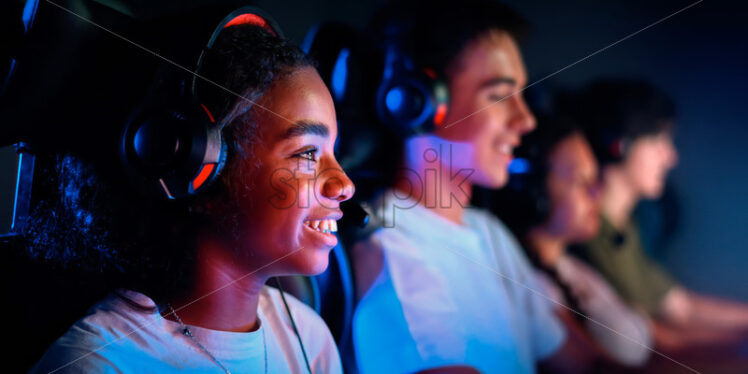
(551, 201)
(630, 126)
(444, 287)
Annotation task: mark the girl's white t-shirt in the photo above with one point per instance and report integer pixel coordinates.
(118, 336)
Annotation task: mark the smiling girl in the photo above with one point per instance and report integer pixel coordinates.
(191, 274)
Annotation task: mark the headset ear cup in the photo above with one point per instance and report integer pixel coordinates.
(398, 104)
(615, 148)
(440, 97)
(612, 146)
(171, 148)
(152, 142)
(412, 103)
(180, 148)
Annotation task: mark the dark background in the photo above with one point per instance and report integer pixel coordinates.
(698, 56)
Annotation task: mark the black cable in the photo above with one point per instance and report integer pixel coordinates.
(293, 323)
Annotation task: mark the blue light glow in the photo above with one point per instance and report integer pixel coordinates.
(15, 198)
(340, 74)
(4, 84)
(29, 10)
(519, 166)
(306, 45)
(394, 99)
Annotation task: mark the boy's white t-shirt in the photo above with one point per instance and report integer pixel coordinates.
(447, 294)
(117, 337)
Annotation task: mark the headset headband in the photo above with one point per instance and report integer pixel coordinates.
(247, 15)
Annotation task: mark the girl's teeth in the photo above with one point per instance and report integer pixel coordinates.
(327, 225)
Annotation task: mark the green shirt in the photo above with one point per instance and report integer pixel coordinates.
(619, 257)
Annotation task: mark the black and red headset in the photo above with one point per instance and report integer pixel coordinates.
(176, 145)
(410, 98)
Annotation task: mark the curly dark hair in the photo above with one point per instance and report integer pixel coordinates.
(91, 220)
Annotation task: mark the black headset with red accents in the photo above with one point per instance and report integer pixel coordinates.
(179, 147)
(618, 148)
(175, 144)
(411, 99)
(611, 145)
